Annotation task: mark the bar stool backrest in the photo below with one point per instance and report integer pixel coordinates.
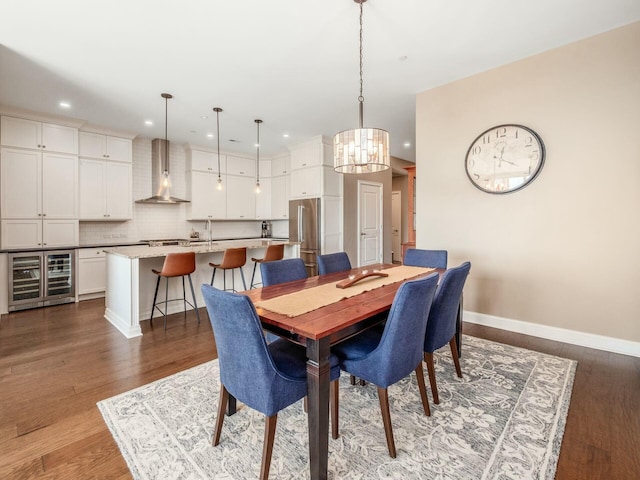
(234, 258)
(178, 264)
(273, 253)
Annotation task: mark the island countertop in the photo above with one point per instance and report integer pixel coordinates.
(146, 251)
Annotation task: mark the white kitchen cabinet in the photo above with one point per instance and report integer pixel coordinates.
(92, 272)
(38, 185)
(307, 155)
(306, 182)
(245, 167)
(95, 145)
(206, 200)
(22, 133)
(264, 199)
(37, 233)
(280, 166)
(202, 161)
(241, 202)
(280, 197)
(105, 190)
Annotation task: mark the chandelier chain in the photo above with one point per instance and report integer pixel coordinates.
(361, 98)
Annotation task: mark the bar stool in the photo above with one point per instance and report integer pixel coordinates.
(273, 253)
(233, 258)
(176, 265)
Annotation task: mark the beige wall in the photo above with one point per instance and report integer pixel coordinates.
(565, 250)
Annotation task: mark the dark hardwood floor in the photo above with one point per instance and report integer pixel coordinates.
(57, 362)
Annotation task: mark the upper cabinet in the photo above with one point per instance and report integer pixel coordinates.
(280, 166)
(203, 161)
(22, 133)
(245, 167)
(312, 173)
(105, 147)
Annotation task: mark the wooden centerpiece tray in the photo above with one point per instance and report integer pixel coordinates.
(353, 279)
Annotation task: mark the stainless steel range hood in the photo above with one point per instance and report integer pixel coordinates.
(160, 180)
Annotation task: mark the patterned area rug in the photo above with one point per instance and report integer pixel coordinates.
(503, 420)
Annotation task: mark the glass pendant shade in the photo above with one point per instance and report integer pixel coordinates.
(361, 150)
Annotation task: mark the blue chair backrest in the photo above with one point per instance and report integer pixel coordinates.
(400, 347)
(247, 369)
(333, 262)
(282, 271)
(442, 318)
(417, 257)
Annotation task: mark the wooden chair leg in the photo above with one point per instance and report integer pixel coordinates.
(423, 390)
(222, 406)
(334, 391)
(454, 353)
(386, 420)
(428, 358)
(267, 448)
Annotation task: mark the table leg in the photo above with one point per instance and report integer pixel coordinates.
(459, 328)
(231, 405)
(318, 379)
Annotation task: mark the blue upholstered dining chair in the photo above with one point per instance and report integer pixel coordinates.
(267, 378)
(417, 257)
(333, 262)
(282, 271)
(441, 327)
(384, 358)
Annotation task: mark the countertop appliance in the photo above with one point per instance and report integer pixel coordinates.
(39, 279)
(304, 227)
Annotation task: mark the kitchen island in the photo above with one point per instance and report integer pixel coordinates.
(131, 283)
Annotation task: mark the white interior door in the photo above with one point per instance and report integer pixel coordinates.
(369, 223)
(396, 225)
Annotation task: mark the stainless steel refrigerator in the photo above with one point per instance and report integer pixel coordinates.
(304, 227)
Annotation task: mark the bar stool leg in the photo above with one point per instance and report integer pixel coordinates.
(244, 284)
(213, 275)
(195, 304)
(253, 275)
(166, 302)
(155, 296)
(184, 297)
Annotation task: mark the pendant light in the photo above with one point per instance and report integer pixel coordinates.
(218, 110)
(361, 150)
(258, 122)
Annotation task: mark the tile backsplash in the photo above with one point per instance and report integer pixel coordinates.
(165, 221)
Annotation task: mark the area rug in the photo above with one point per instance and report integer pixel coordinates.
(503, 420)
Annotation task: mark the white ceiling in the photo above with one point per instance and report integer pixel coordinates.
(292, 63)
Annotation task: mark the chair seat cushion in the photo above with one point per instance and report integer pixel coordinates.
(359, 346)
(291, 359)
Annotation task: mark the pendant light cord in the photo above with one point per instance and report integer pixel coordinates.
(166, 147)
(218, 138)
(361, 97)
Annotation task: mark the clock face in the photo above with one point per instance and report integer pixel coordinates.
(505, 158)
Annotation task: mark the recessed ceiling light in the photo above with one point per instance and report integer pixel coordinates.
(407, 144)
(285, 135)
(148, 122)
(65, 104)
(204, 117)
(210, 135)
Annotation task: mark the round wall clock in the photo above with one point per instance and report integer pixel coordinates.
(505, 158)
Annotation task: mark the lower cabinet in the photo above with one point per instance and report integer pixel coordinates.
(92, 272)
(33, 233)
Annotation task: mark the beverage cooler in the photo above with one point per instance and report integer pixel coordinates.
(38, 279)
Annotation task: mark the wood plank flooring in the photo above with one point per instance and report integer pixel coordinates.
(57, 362)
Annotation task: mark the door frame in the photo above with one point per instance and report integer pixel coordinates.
(380, 186)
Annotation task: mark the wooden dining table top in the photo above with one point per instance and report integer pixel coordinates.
(330, 320)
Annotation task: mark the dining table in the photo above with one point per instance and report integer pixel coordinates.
(321, 328)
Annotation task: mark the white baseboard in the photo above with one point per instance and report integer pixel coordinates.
(574, 337)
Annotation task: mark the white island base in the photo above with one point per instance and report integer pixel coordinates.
(131, 283)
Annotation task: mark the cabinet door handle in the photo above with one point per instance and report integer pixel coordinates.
(44, 146)
(39, 146)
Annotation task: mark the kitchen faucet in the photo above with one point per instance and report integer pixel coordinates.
(209, 231)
